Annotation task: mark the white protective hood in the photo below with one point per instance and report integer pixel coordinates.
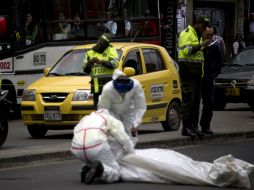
(117, 73)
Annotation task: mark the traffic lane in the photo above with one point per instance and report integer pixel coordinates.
(19, 137)
(65, 175)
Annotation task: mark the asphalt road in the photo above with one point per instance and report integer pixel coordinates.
(65, 176)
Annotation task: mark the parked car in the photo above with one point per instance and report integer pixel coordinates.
(62, 97)
(235, 84)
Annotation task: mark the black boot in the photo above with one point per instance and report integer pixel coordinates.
(187, 128)
(198, 132)
(95, 172)
(188, 132)
(83, 173)
(207, 131)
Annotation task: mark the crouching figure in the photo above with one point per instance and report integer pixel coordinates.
(90, 145)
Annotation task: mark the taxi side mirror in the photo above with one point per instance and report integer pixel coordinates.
(46, 71)
(129, 71)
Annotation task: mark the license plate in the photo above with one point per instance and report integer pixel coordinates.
(232, 92)
(52, 116)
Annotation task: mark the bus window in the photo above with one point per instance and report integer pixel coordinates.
(26, 63)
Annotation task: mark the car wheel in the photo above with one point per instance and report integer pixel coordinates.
(219, 106)
(173, 118)
(37, 131)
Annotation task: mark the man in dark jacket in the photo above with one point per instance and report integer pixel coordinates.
(212, 67)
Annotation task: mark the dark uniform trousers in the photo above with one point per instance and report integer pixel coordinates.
(101, 82)
(208, 93)
(191, 95)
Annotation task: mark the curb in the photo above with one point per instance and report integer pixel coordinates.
(63, 155)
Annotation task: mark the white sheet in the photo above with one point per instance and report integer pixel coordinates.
(168, 166)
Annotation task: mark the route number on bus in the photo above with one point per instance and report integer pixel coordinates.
(6, 66)
(39, 58)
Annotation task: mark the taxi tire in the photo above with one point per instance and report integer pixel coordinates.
(173, 118)
(37, 131)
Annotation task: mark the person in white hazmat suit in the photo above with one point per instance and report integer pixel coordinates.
(152, 165)
(124, 98)
(90, 145)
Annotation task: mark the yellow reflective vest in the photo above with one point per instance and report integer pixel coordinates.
(99, 71)
(188, 39)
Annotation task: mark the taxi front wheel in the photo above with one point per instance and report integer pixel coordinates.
(37, 131)
(173, 118)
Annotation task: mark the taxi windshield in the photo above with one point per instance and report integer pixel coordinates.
(72, 64)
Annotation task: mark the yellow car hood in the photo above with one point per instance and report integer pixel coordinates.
(61, 84)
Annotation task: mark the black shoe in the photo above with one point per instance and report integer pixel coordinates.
(207, 131)
(95, 172)
(84, 170)
(188, 132)
(198, 132)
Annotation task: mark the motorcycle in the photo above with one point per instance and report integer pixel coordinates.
(4, 111)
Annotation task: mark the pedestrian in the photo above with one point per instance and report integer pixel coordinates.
(31, 30)
(238, 44)
(222, 45)
(149, 27)
(77, 30)
(212, 68)
(100, 63)
(111, 25)
(191, 59)
(124, 98)
(90, 145)
(127, 23)
(62, 28)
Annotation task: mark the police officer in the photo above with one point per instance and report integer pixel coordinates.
(191, 59)
(100, 63)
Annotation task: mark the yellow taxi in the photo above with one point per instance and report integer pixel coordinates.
(62, 97)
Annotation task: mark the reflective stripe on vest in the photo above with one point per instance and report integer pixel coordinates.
(96, 85)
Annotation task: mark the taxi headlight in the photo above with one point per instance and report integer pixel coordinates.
(81, 95)
(29, 95)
